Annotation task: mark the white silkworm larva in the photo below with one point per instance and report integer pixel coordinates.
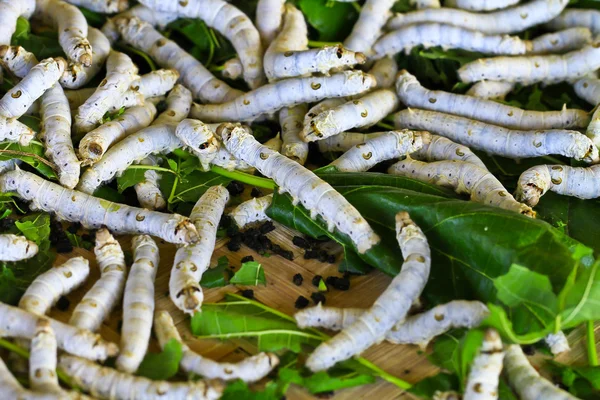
(419, 329)
(441, 148)
(362, 112)
(532, 69)
(148, 191)
(480, 5)
(293, 37)
(40, 78)
(384, 70)
(78, 97)
(462, 177)
(10, 11)
(323, 106)
(526, 381)
(55, 119)
(12, 130)
(304, 186)
(92, 212)
(10, 388)
(108, 383)
(16, 248)
(390, 307)
(56, 134)
(138, 304)
(232, 68)
(286, 93)
(557, 342)
(583, 183)
(156, 139)
(128, 99)
(17, 60)
(269, 14)
(76, 74)
(47, 288)
(120, 73)
(391, 145)
(288, 57)
(593, 129)
(491, 89)
(8, 165)
(251, 369)
(178, 104)
(99, 301)
(156, 83)
(572, 17)
(251, 211)
(484, 374)
(72, 29)
(95, 143)
(499, 140)
(412, 94)
(228, 21)
(561, 41)
(274, 143)
(200, 140)
(291, 123)
(588, 89)
(438, 149)
(167, 53)
(153, 17)
(367, 29)
(42, 359)
(345, 141)
(510, 20)
(431, 34)
(191, 261)
(102, 6)
(15, 322)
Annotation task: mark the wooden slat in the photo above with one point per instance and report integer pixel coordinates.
(405, 362)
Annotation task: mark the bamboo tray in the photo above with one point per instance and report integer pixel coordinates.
(403, 361)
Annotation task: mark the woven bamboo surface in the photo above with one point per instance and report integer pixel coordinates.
(405, 362)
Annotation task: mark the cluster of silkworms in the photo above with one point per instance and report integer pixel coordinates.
(332, 95)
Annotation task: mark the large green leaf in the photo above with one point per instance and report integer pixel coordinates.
(243, 319)
(580, 381)
(529, 296)
(33, 154)
(215, 276)
(41, 46)
(239, 317)
(16, 277)
(251, 273)
(163, 365)
(384, 256)
(576, 217)
(333, 20)
(472, 244)
(455, 351)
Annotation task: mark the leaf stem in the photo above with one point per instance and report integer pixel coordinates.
(25, 154)
(153, 167)
(243, 177)
(322, 336)
(259, 333)
(591, 344)
(385, 126)
(316, 43)
(10, 346)
(384, 375)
